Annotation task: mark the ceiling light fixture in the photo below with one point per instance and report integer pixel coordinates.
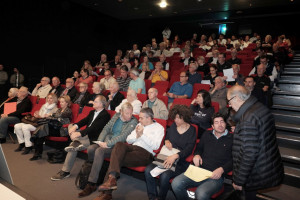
(163, 4)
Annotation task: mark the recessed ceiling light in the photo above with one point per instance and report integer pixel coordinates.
(135, 8)
(175, 12)
(199, 0)
(163, 4)
(150, 15)
(209, 9)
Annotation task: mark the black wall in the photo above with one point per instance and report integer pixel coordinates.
(43, 37)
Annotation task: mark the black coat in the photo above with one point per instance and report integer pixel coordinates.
(85, 99)
(93, 130)
(24, 106)
(117, 99)
(72, 93)
(256, 159)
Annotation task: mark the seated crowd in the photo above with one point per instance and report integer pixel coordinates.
(122, 125)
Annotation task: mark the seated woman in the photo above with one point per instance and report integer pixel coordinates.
(145, 73)
(181, 136)
(212, 75)
(146, 61)
(22, 130)
(12, 97)
(62, 115)
(132, 99)
(203, 111)
(85, 77)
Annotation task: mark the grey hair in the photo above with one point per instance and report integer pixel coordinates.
(132, 92)
(135, 72)
(126, 105)
(99, 85)
(219, 77)
(47, 78)
(14, 91)
(240, 91)
(148, 112)
(102, 99)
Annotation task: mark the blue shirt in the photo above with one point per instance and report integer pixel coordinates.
(151, 67)
(178, 89)
(137, 84)
(117, 128)
(194, 78)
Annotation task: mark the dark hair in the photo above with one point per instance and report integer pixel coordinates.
(86, 71)
(184, 112)
(148, 112)
(217, 115)
(263, 57)
(135, 58)
(124, 67)
(214, 66)
(224, 54)
(186, 73)
(249, 77)
(206, 98)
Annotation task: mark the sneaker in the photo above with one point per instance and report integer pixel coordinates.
(60, 175)
(73, 146)
(80, 148)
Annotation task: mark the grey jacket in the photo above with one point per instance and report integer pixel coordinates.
(159, 109)
(106, 134)
(220, 96)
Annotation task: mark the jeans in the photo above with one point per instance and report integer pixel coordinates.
(205, 189)
(5, 122)
(164, 183)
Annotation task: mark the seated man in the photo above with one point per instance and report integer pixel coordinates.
(83, 96)
(255, 91)
(194, 77)
(70, 89)
(158, 107)
(117, 130)
(158, 74)
(261, 79)
(238, 78)
(114, 97)
(23, 105)
(12, 97)
(234, 59)
(146, 137)
(123, 79)
(42, 89)
(222, 63)
(95, 122)
(218, 94)
(137, 84)
(181, 89)
(108, 79)
(56, 87)
(212, 153)
(165, 64)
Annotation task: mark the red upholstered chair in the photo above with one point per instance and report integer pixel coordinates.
(100, 77)
(164, 99)
(216, 106)
(124, 94)
(111, 113)
(142, 97)
(197, 87)
(161, 89)
(162, 83)
(147, 84)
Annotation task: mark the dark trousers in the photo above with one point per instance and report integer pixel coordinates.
(128, 156)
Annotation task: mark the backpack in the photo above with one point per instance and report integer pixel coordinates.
(83, 175)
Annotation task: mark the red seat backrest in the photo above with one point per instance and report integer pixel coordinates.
(216, 106)
(162, 83)
(164, 99)
(147, 84)
(124, 94)
(100, 77)
(142, 97)
(186, 102)
(197, 87)
(111, 113)
(164, 124)
(75, 110)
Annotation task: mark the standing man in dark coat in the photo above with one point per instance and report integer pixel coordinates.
(256, 159)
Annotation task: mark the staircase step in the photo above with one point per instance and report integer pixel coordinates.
(282, 192)
(284, 92)
(291, 73)
(292, 176)
(288, 127)
(293, 65)
(291, 69)
(286, 100)
(286, 107)
(286, 118)
(290, 155)
(292, 79)
(287, 140)
(289, 87)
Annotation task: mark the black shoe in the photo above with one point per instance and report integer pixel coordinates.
(33, 138)
(2, 140)
(27, 150)
(20, 148)
(36, 157)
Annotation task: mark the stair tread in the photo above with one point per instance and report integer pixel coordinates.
(283, 92)
(292, 171)
(293, 154)
(282, 192)
(287, 107)
(288, 137)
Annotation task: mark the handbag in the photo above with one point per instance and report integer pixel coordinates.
(163, 155)
(29, 119)
(55, 124)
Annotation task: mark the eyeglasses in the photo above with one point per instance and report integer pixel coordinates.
(231, 99)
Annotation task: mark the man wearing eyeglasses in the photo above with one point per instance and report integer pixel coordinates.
(256, 159)
(70, 89)
(43, 88)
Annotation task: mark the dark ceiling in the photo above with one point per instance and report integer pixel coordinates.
(145, 9)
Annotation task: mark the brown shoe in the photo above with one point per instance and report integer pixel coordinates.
(105, 195)
(110, 184)
(89, 189)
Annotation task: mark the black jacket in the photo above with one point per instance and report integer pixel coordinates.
(93, 130)
(72, 93)
(57, 91)
(256, 158)
(24, 106)
(117, 99)
(85, 99)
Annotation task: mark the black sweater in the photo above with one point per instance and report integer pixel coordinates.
(215, 152)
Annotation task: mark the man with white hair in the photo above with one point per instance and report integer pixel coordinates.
(158, 107)
(194, 77)
(162, 50)
(42, 89)
(12, 97)
(238, 78)
(137, 84)
(256, 159)
(114, 97)
(218, 94)
(56, 87)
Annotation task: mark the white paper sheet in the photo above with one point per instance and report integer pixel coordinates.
(157, 171)
(229, 74)
(205, 82)
(6, 193)
(165, 151)
(197, 174)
